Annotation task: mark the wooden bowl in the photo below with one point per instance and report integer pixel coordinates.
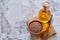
(35, 27)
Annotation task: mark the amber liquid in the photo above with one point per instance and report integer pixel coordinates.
(44, 17)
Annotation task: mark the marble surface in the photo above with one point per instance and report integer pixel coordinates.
(14, 13)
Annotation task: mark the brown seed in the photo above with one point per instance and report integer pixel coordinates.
(35, 27)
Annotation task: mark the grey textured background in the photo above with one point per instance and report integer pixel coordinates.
(14, 13)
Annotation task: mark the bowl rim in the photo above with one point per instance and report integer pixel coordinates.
(33, 32)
